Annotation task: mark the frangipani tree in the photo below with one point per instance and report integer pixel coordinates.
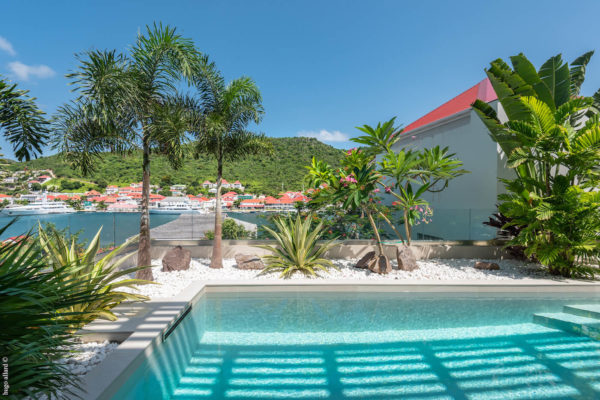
(127, 103)
(414, 173)
(407, 175)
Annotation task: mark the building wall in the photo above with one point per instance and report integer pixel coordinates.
(461, 208)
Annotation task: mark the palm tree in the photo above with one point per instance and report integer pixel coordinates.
(222, 112)
(21, 121)
(130, 102)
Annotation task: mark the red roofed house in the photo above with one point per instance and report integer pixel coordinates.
(459, 210)
(111, 189)
(44, 178)
(5, 197)
(252, 203)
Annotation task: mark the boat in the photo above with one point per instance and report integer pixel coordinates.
(39, 208)
(173, 205)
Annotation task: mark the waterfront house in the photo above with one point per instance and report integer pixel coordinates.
(461, 208)
(252, 204)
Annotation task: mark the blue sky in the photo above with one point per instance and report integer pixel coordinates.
(323, 67)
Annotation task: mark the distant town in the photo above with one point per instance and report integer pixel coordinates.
(35, 186)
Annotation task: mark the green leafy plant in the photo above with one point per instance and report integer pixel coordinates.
(221, 113)
(103, 276)
(552, 143)
(298, 249)
(129, 102)
(22, 123)
(413, 173)
(37, 329)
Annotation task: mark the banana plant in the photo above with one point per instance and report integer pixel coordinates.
(102, 275)
(552, 142)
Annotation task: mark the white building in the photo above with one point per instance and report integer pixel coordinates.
(460, 209)
(177, 190)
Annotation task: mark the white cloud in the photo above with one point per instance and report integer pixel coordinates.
(7, 46)
(325, 136)
(24, 72)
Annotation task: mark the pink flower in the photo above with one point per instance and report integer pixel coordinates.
(349, 152)
(388, 189)
(376, 190)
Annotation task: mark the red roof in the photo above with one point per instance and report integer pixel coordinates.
(237, 183)
(92, 193)
(44, 176)
(482, 91)
(223, 181)
(207, 182)
(4, 196)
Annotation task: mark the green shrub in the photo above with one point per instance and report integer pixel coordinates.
(101, 276)
(297, 250)
(234, 231)
(35, 330)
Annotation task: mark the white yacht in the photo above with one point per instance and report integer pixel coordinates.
(38, 207)
(173, 205)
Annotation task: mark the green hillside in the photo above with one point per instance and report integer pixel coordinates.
(260, 174)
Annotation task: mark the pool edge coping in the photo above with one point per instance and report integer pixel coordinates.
(105, 379)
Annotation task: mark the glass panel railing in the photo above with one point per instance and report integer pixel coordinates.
(117, 227)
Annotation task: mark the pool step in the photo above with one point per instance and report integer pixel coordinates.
(584, 310)
(571, 323)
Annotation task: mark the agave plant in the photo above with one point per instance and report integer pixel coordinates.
(100, 275)
(297, 249)
(36, 332)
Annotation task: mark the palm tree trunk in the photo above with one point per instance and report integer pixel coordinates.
(217, 253)
(144, 257)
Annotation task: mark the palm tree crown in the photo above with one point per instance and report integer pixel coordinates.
(222, 112)
(129, 102)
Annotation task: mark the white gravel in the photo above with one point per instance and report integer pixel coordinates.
(87, 356)
(171, 283)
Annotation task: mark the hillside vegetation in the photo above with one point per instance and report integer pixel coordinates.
(260, 174)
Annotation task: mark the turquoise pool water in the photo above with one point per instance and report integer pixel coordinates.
(370, 346)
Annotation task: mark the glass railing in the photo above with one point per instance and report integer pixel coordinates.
(445, 224)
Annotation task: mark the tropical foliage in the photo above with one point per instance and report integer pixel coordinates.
(413, 173)
(221, 113)
(36, 329)
(258, 173)
(130, 102)
(297, 248)
(21, 122)
(100, 275)
(406, 174)
(231, 231)
(552, 142)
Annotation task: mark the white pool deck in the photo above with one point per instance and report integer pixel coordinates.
(140, 327)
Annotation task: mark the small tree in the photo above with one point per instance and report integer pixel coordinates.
(407, 175)
(127, 103)
(222, 113)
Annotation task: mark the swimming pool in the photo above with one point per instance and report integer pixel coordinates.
(338, 345)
